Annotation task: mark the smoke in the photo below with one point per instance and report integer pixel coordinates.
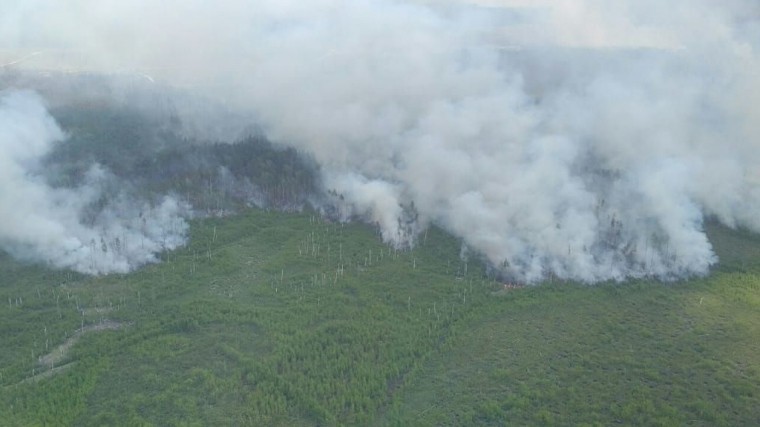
(581, 139)
(86, 228)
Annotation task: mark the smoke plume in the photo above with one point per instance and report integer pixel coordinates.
(84, 228)
(581, 139)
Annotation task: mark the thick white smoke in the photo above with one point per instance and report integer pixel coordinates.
(51, 225)
(583, 139)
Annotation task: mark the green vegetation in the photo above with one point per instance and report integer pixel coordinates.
(147, 157)
(284, 319)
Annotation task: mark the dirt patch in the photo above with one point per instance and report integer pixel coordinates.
(56, 356)
(49, 364)
(49, 373)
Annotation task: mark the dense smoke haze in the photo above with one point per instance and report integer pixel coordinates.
(580, 139)
(74, 228)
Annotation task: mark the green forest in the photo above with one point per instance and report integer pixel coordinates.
(275, 314)
(150, 157)
(379, 213)
(270, 318)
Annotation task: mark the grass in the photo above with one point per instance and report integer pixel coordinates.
(283, 319)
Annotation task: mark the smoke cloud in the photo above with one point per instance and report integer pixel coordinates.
(581, 139)
(83, 228)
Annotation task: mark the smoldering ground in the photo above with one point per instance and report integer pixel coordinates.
(584, 139)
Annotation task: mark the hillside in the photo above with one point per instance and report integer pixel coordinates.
(284, 319)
